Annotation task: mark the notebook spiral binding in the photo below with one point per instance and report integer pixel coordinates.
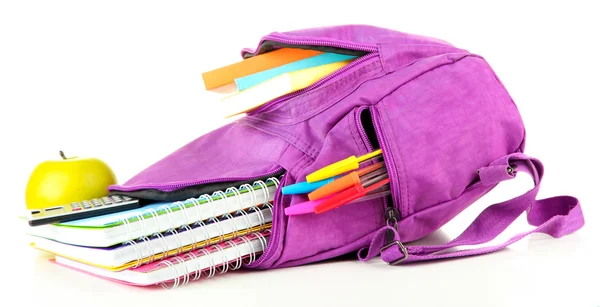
(185, 275)
(177, 232)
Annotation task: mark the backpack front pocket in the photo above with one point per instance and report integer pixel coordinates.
(299, 239)
(439, 129)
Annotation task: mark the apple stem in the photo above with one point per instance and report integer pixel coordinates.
(62, 154)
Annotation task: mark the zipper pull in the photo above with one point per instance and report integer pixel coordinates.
(391, 218)
(379, 243)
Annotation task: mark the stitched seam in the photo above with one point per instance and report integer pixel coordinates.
(302, 146)
(290, 138)
(380, 51)
(360, 143)
(374, 78)
(405, 205)
(300, 160)
(314, 95)
(296, 167)
(281, 246)
(423, 73)
(354, 133)
(315, 110)
(319, 93)
(335, 85)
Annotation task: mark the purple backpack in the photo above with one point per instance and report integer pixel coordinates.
(448, 129)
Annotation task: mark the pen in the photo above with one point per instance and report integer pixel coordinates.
(355, 192)
(306, 187)
(340, 167)
(347, 181)
(308, 207)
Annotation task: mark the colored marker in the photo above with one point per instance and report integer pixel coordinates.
(347, 181)
(340, 167)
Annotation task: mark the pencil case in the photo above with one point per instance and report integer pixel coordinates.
(448, 130)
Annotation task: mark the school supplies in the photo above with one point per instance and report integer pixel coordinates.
(81, 209)
(348, 180)
(448, 130)
(133, 246)
(340, 167)
(306, 187)
(308, 207)
(327, 186)
(155, 247)
(446, 126)
(318, 60)
(340, 190)
(355, 192)
(178, 270)
(111, 229)
(251, 98)
(227, 74)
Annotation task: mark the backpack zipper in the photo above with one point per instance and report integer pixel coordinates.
(274, 236)
(283, 39)
(280, 38)
(326, 42)
(391, 213)
(185, 184)
(396, 204)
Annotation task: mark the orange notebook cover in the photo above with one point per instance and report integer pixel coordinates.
(227, 74)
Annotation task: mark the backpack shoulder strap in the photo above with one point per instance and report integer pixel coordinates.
(556, 216)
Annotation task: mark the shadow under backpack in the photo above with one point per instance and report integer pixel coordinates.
(448, 130)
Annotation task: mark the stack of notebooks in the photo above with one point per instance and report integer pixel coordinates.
(166, 243)
(170, 244)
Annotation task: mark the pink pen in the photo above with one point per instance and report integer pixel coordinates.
(308, 207)
(305, 207)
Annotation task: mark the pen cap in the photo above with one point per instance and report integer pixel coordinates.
(340, 167)
(335, 186)
(306, 207)
(304, 187)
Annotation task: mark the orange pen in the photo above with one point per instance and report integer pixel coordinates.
(347, 181)
(352, 194)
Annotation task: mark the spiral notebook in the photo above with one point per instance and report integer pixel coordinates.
(179, 270)
(117, 228)
(173, 242)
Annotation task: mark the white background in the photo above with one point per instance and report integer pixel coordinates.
(121, 81)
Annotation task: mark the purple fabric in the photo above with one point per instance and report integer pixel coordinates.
(448, 129)
(556, 216)
(249, 153)
(366, 34)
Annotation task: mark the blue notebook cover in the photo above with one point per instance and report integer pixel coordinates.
(318, 60)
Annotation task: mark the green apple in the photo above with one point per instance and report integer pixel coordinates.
(67, 180)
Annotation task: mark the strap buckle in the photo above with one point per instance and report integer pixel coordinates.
(401, 247)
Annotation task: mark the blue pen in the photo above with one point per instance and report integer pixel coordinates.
(306, 187)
